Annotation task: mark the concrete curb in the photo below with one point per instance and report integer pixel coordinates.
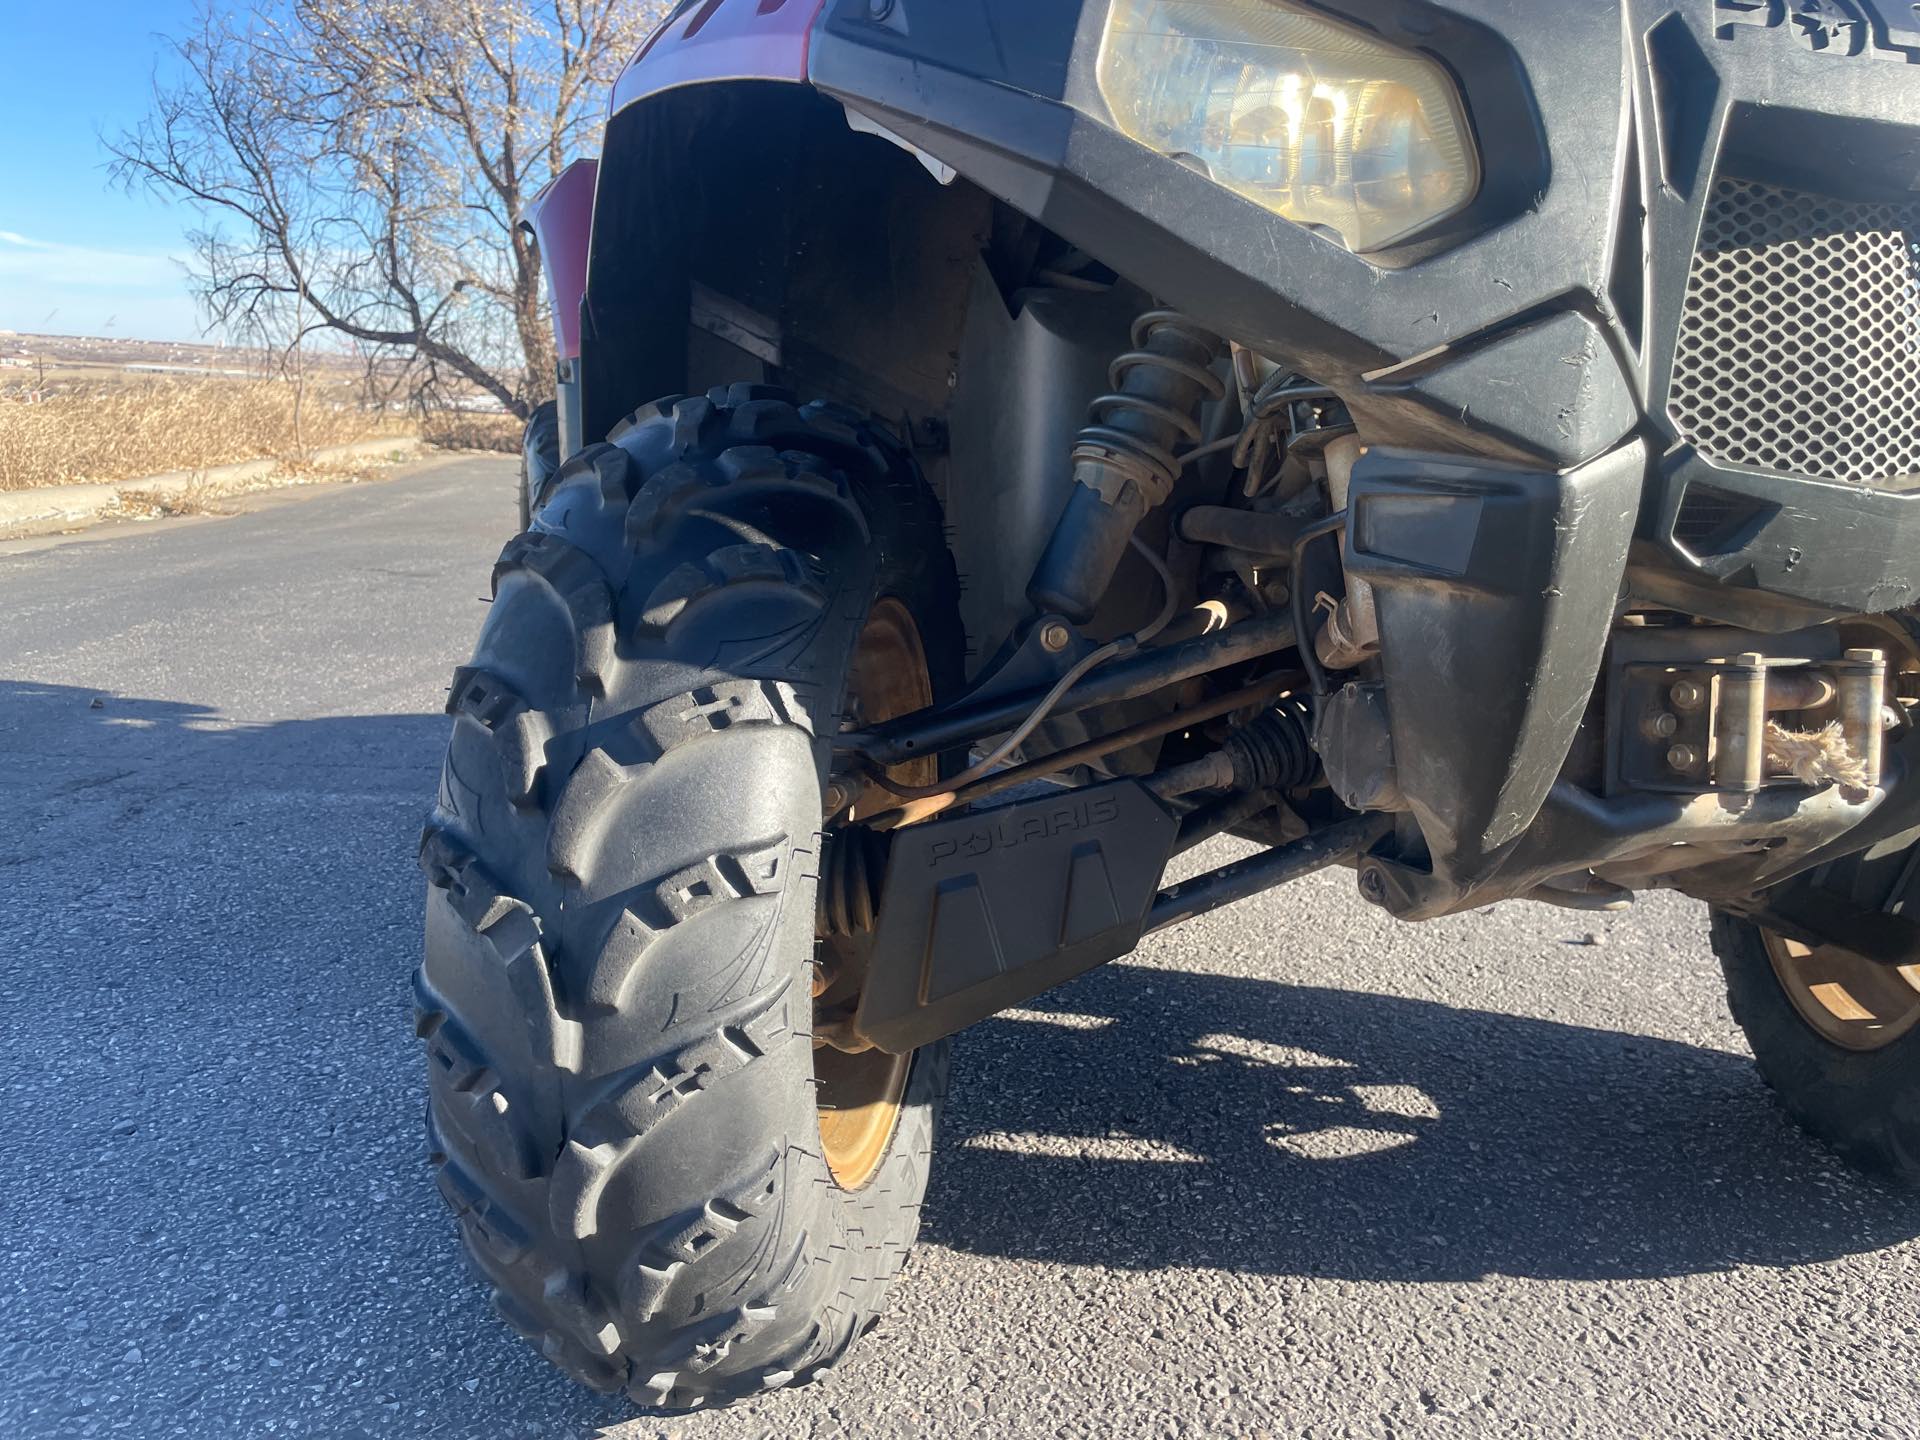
(56, 508)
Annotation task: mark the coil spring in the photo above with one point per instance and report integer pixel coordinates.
(1157, 386)
(851, 869)
(1274, 752)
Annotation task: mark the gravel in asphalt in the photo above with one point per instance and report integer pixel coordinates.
(1293, 1170)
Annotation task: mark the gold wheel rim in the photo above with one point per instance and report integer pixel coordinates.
(1850, 1000)
(858, 1096)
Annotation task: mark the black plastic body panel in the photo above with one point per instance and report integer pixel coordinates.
(1537, 327)
(1839, 547)
(1033, 135)
(1025, 380)
(1495, 589)
(983, 911)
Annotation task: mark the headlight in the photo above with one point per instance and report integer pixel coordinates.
(1320, 123)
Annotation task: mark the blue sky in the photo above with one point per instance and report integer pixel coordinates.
(76, 252)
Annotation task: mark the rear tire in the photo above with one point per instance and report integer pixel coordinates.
(1845, 1063)
(617, 991)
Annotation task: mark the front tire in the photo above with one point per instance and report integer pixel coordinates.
(617, 996)
(1836, 1036)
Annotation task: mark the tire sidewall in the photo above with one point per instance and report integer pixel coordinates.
(709, 1247)
(1866, 1103)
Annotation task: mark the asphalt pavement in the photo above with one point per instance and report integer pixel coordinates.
(1293, 1170)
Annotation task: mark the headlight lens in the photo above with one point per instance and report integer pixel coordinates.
(1320, 123)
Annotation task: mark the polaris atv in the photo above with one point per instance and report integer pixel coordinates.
(1472, 444)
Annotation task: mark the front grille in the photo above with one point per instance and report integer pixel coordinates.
(1800, 340)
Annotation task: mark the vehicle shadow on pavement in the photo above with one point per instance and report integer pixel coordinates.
(218, 1204)
(1144, 1117)
(217, 1218)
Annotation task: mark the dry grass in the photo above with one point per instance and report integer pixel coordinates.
(96, 433)
(201, 496)
(466, 430)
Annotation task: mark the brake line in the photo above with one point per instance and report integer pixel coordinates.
(1125, 645)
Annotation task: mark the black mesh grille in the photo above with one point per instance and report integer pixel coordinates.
(1800, 343)
(1710, 519)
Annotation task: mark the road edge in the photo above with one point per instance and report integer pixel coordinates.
(59, 509)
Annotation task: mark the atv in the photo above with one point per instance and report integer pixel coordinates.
(1473, 445)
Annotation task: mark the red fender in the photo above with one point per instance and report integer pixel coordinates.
(561, 219)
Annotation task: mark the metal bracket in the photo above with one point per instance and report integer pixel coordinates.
(1684, 716)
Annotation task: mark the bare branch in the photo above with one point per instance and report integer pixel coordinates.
(360, 166)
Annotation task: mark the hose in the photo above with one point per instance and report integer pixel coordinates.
(1125, 645)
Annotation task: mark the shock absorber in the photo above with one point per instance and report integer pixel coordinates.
(1123, 461)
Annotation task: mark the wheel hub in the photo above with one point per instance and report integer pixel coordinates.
(1850, 1000)
(858, 1089)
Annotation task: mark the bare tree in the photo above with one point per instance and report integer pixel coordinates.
(360, 164)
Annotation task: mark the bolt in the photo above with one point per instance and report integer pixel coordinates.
(1663, 725)
(1683, 757)
(1689, 695)
(1864, 657)
(879, 9)
(1055, 636)
(838, 797)
(1373, 885)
